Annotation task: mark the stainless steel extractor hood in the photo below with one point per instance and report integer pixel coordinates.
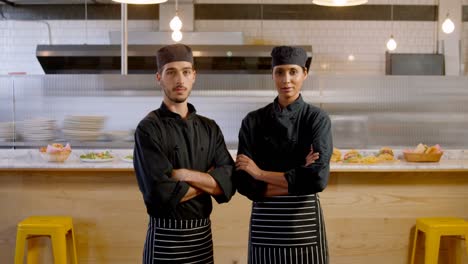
(105, 59)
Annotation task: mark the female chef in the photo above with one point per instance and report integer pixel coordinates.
(282, 164)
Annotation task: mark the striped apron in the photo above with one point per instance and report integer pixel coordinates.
(287, 230)
(178, 241)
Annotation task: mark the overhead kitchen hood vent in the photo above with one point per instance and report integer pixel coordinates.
(105, 59)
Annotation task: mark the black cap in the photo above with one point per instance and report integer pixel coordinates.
(288, 55)
(171, 53)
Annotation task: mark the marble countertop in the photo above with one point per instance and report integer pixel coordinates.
(30, 159)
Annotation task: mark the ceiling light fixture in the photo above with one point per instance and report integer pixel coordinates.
(448, 26)
(176, 25)
(339, 2)
(391, 43)
(140, 2)
(176, 35)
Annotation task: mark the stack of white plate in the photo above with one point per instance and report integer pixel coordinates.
(118, 135)
(39, 129)
(83, 128)
(7, 132)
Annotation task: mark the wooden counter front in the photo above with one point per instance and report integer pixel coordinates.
(369, 215)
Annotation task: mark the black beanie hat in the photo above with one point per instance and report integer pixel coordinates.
(171, 53)
(288, 55)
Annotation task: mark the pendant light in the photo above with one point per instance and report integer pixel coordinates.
(448, 26)
(140, 2)
(391, 43)
(339, 2)
(176, 25)
(176, 35)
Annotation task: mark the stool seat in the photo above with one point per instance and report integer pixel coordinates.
(434, 228)
(441, 223)
(58, 228)
(38, 222)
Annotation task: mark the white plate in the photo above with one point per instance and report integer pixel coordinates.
(127, 160)
(96, 160)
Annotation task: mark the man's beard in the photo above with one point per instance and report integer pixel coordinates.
(174, 99)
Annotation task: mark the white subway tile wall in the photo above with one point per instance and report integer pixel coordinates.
(333, 41)
(18, 39)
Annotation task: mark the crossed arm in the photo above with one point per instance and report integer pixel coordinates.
(162, 184)
(199, 182)
(276, 181)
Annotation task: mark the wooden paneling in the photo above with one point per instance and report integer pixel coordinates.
(369, 216)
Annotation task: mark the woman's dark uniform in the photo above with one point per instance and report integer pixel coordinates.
(286, 229)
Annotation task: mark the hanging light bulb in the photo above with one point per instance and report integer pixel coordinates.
(176, 23)
(391, 44)
(339, 2)
(176, 36)
(140, 2)
(448, 26)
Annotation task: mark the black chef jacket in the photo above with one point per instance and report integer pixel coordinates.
(279, 140)
(163, 142)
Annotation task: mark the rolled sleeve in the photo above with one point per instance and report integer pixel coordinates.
(245, 183)
(314, 178)
(153, 170)
(224, 166)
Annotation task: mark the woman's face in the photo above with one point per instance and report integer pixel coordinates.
(288, 80)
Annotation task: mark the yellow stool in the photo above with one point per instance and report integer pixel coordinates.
(58, 228)
(434, 229)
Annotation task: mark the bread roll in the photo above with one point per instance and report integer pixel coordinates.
(421, 148)
(432, 150)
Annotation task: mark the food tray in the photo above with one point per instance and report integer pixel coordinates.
(422, 157)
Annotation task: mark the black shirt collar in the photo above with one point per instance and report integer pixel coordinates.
(168, 113)
(291, 108)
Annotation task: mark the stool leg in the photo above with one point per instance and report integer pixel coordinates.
(71, 244)
(455, 255)
(20, 247)
(432, 248)
(33, 250)
(466, 242)
(59, 248)
(413, 252)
